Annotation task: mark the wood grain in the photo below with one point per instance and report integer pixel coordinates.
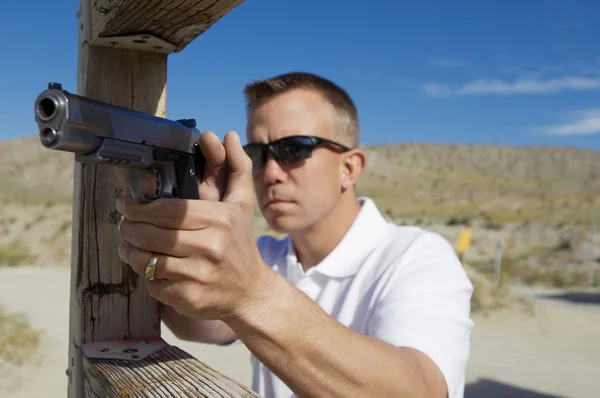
(108, 300)
(176, 21)
(170, 372)
(114, 298)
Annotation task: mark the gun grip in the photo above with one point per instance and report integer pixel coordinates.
(187, 180)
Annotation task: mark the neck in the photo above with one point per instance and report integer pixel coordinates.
(313, 244)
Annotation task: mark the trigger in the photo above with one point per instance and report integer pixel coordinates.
(135, 184)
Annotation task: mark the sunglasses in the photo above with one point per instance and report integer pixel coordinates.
(287, 150)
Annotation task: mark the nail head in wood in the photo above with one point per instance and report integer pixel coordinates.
(125, 349)
(138, 42)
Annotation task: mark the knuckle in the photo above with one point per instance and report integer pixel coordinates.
(136, 260)
(124, 252)
(127, 213)
(227, 221)
(137, 235)
(128, 208)
(220, 243)
(124, 227)
(213, 248)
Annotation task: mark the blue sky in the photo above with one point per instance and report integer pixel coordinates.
(510, 72)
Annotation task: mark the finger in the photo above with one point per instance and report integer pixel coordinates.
(167, 267)
(148, 181)
(212, 149)
(181, 214)
(178, 294)
(155, 239)
(215, 168)
(167, 292)
(239, 179)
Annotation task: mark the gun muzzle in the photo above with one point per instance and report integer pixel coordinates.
(57, 130)
(47, 108)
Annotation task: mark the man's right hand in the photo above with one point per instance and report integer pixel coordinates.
(211, 187)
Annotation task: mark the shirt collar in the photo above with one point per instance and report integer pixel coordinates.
(346, 258)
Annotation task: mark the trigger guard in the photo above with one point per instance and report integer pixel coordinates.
(135, 183)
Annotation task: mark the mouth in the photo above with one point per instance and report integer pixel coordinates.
(276, 203)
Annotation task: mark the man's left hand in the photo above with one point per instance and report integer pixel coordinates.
(209, 266)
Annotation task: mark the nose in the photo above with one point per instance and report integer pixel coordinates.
(272, 171)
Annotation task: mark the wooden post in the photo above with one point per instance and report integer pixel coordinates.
(115, 346)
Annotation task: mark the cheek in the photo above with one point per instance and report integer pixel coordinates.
(320, 181)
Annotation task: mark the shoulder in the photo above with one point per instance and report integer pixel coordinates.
(409, 242)
(410, 252)
(425, 242)
(421, 299)
(272, 248)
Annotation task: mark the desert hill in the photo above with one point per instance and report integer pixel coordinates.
(407, 179)
(534, 201)
(497, 182)
(32, 174)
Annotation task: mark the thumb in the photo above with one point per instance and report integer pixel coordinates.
(239, 176)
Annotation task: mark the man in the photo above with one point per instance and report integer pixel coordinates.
(347, 304)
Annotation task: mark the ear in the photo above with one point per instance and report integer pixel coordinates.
(352, 165)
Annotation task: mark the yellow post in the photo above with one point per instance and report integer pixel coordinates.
(464, 241)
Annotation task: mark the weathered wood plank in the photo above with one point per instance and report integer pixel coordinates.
(177, 22)
(170, 372)
(110, 303)
(110, 290)
(108, 300)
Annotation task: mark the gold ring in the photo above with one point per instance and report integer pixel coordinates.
(151, 267)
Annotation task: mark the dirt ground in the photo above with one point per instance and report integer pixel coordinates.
(552, 353)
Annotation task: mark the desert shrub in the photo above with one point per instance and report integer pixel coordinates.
(491, 223)
(463, 219)
(489, 296)
(15, 253)
(555, 277)
(17, 339)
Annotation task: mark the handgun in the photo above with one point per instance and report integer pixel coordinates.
(101, 133)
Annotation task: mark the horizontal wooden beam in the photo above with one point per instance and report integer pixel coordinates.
(165, 372)
(154, 25)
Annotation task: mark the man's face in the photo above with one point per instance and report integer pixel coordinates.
(292, 197)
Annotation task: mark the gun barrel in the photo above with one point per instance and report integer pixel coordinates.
(74, 123)
(102, 133)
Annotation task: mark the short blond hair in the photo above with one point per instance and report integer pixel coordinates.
(345, 113)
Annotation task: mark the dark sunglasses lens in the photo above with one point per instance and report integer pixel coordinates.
(255, 152)
(294, 149)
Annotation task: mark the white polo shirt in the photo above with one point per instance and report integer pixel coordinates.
(400, 284)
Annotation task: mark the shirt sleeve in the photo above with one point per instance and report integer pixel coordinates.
(424, 304)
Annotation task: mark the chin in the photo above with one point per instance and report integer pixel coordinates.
(285, 224)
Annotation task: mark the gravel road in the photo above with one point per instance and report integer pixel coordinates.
(554, 353)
